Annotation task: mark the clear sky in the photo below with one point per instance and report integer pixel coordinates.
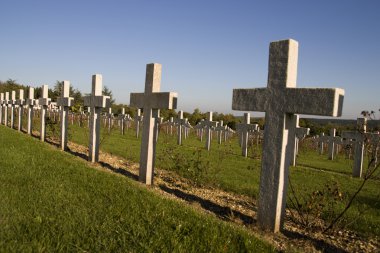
(207, 48)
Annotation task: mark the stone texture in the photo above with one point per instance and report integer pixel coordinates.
(280, 101)
(151, 101)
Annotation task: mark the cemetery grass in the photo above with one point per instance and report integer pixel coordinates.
(225, 168)
(52, 201)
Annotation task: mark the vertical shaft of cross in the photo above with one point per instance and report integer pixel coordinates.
(44, 103)
(13, 106)
(1, 107)
(20, 103)
(30, 104)
(6, 108)
(64, 101)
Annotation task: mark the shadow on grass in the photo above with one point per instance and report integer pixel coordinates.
(119, 170)
(319, 244)
(222, 212)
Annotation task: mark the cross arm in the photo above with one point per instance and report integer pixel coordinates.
(250, 99)
(155, 100)
(97, 101)
(314, 101)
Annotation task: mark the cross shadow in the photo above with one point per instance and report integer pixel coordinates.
(224, 213)
(319, 244)
(119, 170)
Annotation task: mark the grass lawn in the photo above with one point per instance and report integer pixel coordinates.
(225, 168)
(51, 201)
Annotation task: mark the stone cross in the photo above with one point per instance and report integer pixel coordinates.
(138, 119)
(220, 129)
(6, 103)
(13, 106)
(333, 141)
(65, 101)
(200, 127)
(244, 129)
(358, 137)
(96, 101)
(122, 120)
(300, 133)
(322, 138)
(208, 124)
(187, 126)
(1, 107)
(44, 102)
(30, 102)
(109, 117)
(181, 122)
(280, 101)
(151, 101)
(20, 103)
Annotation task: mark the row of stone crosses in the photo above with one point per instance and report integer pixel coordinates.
(280, 100)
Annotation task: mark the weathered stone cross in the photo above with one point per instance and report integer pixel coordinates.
(30, 102)
(1, 107)
(96, 101)
(358, 137)
(44, 102)
(13, 103)
(151, 101)
(65, 101)
(181, 122)
(220, 129)
(280, 101)
(6, 103)
(138, 119)
(300, 133)
(20, 103)
(122, 120)
(244, 129)
(208, 124)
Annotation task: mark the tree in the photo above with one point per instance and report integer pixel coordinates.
(108, 92)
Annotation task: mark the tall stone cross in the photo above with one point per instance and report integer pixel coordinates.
(96, 102)
(30, 102)
(181, 122)
(64, 101)
(20, 103)
(151, 101)
(208, 124)
(44, 102)
(13, 103)
(244, 129)
(1, 107)
(138, 118)
(280, 101)
(358, 137)
(6, 103)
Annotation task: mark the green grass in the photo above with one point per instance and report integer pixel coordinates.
(225, 168)
(51, 201)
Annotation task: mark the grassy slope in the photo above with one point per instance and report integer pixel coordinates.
(241, 175)
(52, 201)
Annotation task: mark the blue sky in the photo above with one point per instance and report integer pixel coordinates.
(207, 48)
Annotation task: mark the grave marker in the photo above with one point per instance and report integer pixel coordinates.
(96, 101)
(208, 124)
(20, 103)
(1, 107)
(280, 101)
(30, 102)
(138, 119)
(65, 101)
(13, 106)
(244, 129)
(151, 100)
(358, 137)
(181, 122)
(6, 103)
(44, 102)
